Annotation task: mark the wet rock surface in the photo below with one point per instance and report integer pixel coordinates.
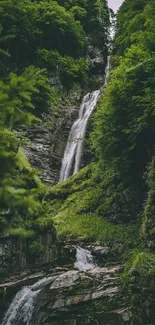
(72, 296)
(85, 286)
(47, 141)
(88, 296)
(96, 62)
(75, 294)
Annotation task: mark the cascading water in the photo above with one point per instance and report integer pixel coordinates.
(84, 259)
(73, 151)
(22, 308)
(23, 305)
(72, 156)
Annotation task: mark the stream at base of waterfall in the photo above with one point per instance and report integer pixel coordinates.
(81, 294)
(23, 305)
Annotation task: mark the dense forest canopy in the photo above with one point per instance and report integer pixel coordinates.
(123, 136)
(51, 34)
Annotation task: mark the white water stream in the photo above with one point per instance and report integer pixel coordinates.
(72, 156)
(22, 307)
(24, 303)
(84, 259)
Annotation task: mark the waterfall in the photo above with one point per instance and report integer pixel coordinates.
(23, 305)
(73, 151)
(72, 155)
(84, 259)
(107, 72)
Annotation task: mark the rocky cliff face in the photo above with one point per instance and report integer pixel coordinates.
(19, 254)
(47, 143)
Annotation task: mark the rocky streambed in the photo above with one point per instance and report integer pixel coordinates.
(77, 295)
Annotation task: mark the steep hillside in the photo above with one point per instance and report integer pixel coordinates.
(48, 55)
(67, 39)
(52, 53)
(112, 200)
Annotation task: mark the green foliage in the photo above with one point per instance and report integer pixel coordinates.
(130, 20)
(42, 224)
(25, 166)
(123, 145)
(19, 184)
(123, 136)
(93, 15)
(36, 248)
(29, 29)
(139, 282)
(41, 23)
(148, 230)
(90, 226)
(68, 68)
(31, 32)
(35, 36)
(112, 200)
(74, 210)
(79, 13)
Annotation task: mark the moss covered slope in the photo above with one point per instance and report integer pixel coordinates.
(74, 206)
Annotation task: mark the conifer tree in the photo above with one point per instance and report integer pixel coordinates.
(18, 188)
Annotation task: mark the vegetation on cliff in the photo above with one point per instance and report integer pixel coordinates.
(53, 35)
(111, 201)
(118, 191)
(39, 42)
(18, 181)
(123, 134)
